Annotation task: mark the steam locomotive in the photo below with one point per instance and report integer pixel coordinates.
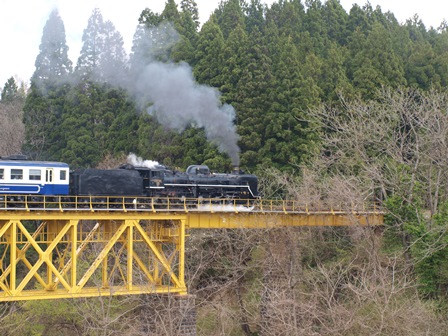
(19, 176)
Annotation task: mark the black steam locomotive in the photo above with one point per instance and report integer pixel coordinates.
(198, 181)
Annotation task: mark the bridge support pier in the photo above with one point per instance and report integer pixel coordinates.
(282, 271)
(168, 315)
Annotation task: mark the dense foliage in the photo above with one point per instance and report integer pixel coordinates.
(272, 64)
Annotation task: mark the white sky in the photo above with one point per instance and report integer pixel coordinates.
(22, 22)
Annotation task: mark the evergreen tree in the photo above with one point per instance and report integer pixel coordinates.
(187, 24)
(289, 18)
(44, 106)
(112, 66)
(101, 121)
(419, 67)
(335, 18)
(187, 28)
(253, 99)
(416, 28)
(235, 62)
(283, 129)
(357, 43)
(387, 19)
(379, 56)
(190, 7)
(154, 40)
(315, 25)
(229, 16)
(255, 15)
(10, 91)
(149, 19)
(209, 55)
(120, 122)
(92, 106)
(289, 137)
(102, 55)
(140, 52)
(78, 145)
(170, 12)
(419, 56)
(441, 56)
(359, 20)
(334, 79)
(311, 72)
(52, 64)
(42, 118)
(93, 40)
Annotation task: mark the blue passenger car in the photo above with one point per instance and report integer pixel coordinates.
(34, 177)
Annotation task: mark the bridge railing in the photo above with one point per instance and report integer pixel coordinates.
(173, 204)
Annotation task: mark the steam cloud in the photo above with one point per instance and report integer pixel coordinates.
(180, 102)
(139, 162)
(177, 100)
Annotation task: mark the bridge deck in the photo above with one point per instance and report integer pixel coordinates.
(84, 246)
(107, 204)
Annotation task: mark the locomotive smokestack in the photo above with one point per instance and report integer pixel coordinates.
(236, 169)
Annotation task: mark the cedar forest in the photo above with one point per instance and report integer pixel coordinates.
(328, 106)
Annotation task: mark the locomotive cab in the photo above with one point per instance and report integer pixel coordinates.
(152, 180)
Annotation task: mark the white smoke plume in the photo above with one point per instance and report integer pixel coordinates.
(177, 100)
(139, 162)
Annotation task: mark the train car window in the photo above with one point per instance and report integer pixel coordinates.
(16, 174)
(49, 175)
(155, 173)
(35, 174)
(2, 174)
(63, 175)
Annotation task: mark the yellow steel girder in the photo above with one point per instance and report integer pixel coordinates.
(75, 258)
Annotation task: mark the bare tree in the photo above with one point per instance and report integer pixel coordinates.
(12, 130)
(111, 162)
(11, 320)
(390, 145)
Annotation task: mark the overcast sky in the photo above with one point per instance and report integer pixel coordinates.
(22, 22)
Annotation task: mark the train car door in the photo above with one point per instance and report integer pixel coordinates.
(49, 185)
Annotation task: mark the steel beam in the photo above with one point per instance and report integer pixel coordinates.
(77, 257)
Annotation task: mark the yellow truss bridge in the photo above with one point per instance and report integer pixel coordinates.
(60, 247)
